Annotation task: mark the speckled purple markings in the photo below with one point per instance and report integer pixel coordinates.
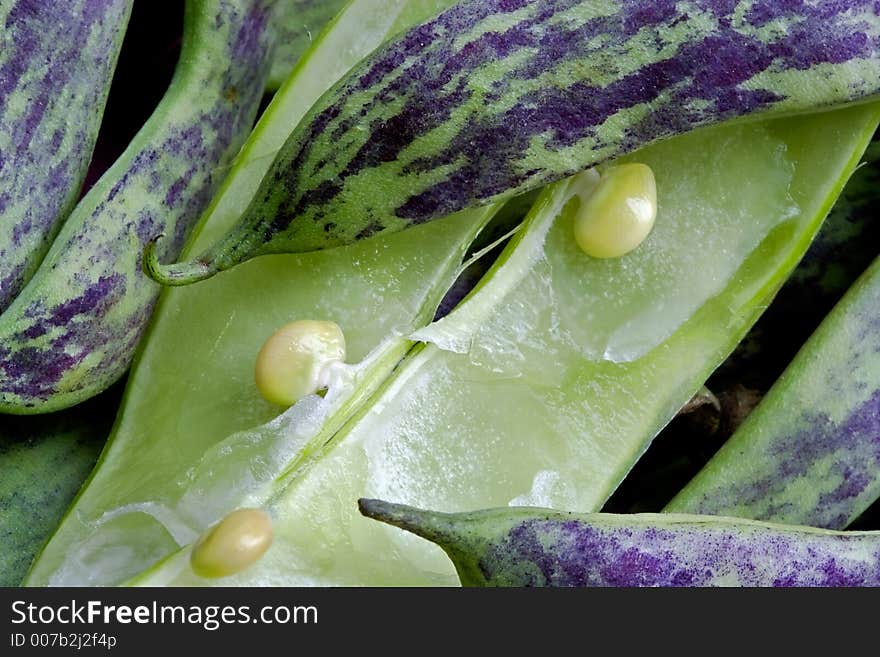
(708, 69)
(576, 553)
(56, 65)
(493, 98)
(848, 452)
(537, 547)
(73, 330)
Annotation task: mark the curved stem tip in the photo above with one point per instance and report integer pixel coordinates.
(174, 274)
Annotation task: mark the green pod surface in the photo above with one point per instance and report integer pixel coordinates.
(810, 452)
(298, 23)
(526, 394)
(496, 97)
(56, 65)
(44, 461)
(73, 329)
(539, 547)
(202, 389)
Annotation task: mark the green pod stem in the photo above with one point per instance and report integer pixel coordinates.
(73, 329)
(810, 452)
(493, 98)
(298, 23)
(56, 64)
(538, 547)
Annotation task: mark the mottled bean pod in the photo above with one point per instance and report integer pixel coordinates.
(73, 329)
(810, 452)
(496, 97)
(56, 65)
(539, 547)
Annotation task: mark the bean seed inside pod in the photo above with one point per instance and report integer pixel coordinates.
(619, 214)
(297, 360)
(233, 544)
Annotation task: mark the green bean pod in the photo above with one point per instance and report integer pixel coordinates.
(73, 329)
(493, 98)
(539, 547)
(56, 65)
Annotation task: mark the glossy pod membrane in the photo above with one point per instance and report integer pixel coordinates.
(810, 452)
(493, 98)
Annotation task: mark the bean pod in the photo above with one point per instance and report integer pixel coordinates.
(493, 98)
(73, 330)
(538, 547)
(56, 64)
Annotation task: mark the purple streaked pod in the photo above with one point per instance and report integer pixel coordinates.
(540, 547)
(72, 331)
(493, 98)
(56, 64)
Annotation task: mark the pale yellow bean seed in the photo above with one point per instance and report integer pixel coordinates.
(619, 213)
(233, 544)
(294, 361)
